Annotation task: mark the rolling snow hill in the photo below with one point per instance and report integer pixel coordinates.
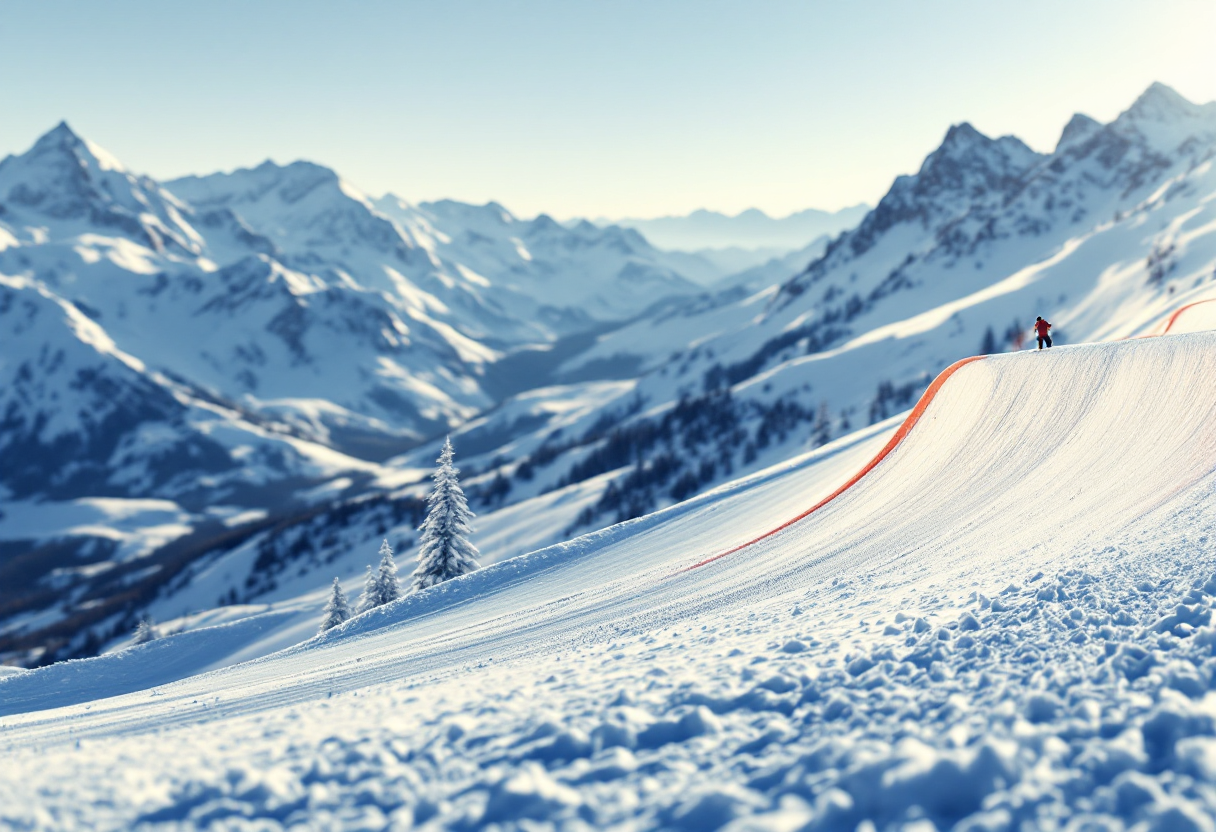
(1006, 623)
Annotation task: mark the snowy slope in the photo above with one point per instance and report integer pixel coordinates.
(291, 598)
(1003, 625)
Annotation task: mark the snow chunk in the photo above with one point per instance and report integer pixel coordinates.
(529, 794)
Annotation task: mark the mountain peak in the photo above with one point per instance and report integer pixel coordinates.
(300, 172)
(961, 133)
(1079, 128)
(544, 222)
(60, 134)
(967, 147)
(1161, 103)
(63, 139)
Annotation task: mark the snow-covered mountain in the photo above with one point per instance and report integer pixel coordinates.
(65, 186)
(1103, 236)
(283, 289)
(222, 345)
(199, 295)
(580, 273)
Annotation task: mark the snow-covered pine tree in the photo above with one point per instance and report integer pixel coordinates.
(988, 345)
(386, 578)
(144, 631)
(336, 610)
(445, 551)
(821, 433)
(371, 593)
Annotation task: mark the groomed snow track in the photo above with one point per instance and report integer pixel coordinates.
(1017, 457)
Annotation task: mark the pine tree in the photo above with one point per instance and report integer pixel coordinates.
(988, 346)
(144, 631)
(371, 593)
(337, 610)
(387, 587)
(445, 551)
(821, 434)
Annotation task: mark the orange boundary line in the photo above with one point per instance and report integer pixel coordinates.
(1178, 313)
(903, 431)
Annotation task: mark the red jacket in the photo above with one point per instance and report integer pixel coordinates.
(1042, 327)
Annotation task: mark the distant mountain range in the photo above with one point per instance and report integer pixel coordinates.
(751, 229)
(217, 393)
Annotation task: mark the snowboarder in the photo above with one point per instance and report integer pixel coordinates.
(1040, 327)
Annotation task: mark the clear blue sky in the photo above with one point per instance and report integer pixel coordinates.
(585, 108)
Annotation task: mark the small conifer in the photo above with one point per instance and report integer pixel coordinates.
(445, 551)
(368, 599)
(387, 586)
(145, 631)
(336, 610)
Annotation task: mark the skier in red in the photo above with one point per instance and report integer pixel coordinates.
(1041, 327)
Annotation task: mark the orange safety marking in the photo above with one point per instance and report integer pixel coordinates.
(1178, 313)
(907, 426)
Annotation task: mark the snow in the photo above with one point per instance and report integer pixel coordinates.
(42, 519)
(608, 273)
(1006, 624)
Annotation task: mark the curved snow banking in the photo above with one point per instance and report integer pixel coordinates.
(900, 434)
